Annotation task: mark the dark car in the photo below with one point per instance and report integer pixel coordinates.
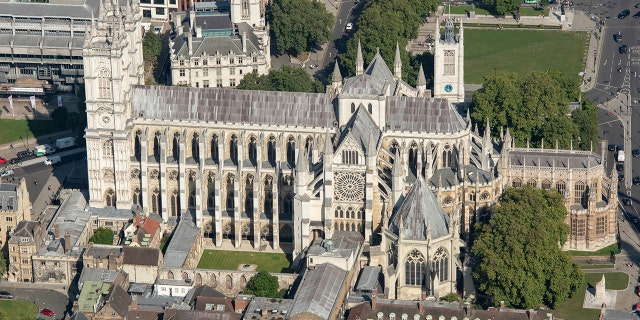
(637, 5)
(14, 160)
(617, 37)
(621, 177)
(636, 180)
(624, 13)
(5, 295)
(635, 153)
(24, 154)
(619, 166)
(620, 147)
(623, 49)
(637, 15)
(626, 201)
(611, 147)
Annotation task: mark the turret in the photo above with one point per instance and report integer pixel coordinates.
(302, 169)
(421, 82)
(486, 140)
(398, 179)
(359, 60)
(397, 64)
(336, 79)
(449, 32)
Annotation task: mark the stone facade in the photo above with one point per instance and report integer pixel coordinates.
(14, 208)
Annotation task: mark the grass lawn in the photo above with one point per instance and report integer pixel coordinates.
(533, 12)
(606, 251)
(230, 260)
(19, 309)
(596, 266)
(522, 51)
(465, 10)
(14, 129)
(572, 308)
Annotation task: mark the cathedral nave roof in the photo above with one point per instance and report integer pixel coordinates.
(416, 114)
(373, 80)
(554, 158)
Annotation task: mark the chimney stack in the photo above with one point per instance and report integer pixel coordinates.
(67, 242)
(530, 313)
(374, 299)
(56, 231)
(501, 306)
(467, 309)
(265, 312)
(244, 41)
(134, 304)
(75, 307)
(423, 297)
(420, 306)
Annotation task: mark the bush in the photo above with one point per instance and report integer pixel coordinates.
(102, 236)
(451, 297)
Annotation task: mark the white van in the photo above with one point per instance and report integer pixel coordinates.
(52, 160)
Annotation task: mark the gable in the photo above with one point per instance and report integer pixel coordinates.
(349, 152)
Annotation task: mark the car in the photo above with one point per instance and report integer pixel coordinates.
(620, 147)
(626, 201)
(624, 13)
(24, 154)
(14, 160)
(635, 153)
(47, 312)
(635, 220)
(623, 49)
(611, 147)
(3, 160)
(349, 26)
(621, 177)
(617, 37)
(636, 180)
(5, 295)
(637, 15)
(619, 166)
(637, 5)
(6, 173)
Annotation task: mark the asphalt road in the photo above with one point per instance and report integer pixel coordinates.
(41, 297)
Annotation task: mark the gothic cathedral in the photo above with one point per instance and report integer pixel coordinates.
(274, 171)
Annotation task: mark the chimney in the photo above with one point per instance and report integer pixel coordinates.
(192, 20)
(56, 231)
(420, 306)
(112, 262)
(244, 41)
(75, 307)
(550, 316)
(240, 304)
(530, 313)
(67, 242)
(467, 309)
(374, 299)
(423, 297)
(265, 312)
(501, 306)
(198, 32)
(134, 304)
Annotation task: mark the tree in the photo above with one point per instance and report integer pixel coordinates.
(534, 107)
(102, 236)
(517, 254)
(299, 25)
(263, 285)
(151, 47)
(60, 116)
(290, 79)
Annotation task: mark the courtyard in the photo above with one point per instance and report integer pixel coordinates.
(232, 260)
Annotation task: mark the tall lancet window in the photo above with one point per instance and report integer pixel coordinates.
(104, 84)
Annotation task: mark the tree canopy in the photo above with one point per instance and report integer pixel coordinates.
(299, 25)
(503, 7)
(381, 25)
(102, 236)
(287, 78)
(263, 285)
(518, 259)
(535, 107)
(151, 48)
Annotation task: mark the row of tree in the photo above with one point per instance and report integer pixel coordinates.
(504, 7)
(299, 25)
(287, 78)
(535, 106)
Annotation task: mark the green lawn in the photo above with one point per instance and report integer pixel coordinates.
(230, 260)
(533, 12)
(596, 266)
(12, 130)
(572, 308)
(19, 309)
(521, 51)
(465, 10)
(606, 251)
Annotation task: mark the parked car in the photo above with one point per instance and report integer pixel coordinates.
(626, 202)
(611, 147)
(15, 160)
(5, 295)
(617, 37)
(621, 177)
(635, 153)
(47, 312)
(637, 15)
(6, 173)
(3, 160)
(624, 49)
(624, 13)
(349, 26)
(619, 166)
(636, 180)
(24, 154)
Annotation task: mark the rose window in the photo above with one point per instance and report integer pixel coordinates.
(349, 186)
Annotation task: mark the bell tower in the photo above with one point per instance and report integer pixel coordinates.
(113, 63)
(448, 78)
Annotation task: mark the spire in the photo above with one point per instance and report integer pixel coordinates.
(328, 146)
(371, 146)
(487, 130)
(359, 60)
(507, 139)
(397, 63)
(303, 161)
(422, 80)
(337, 77)
(397, 166)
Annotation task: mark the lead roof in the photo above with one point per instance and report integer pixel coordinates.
(319, 291)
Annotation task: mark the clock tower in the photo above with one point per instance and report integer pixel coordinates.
(448, 78)
(112, 58)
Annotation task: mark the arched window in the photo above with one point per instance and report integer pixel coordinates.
(338, 212)
(176, 147)
(229, 282)
(350, 214)
(107, 148)
(175, 203)
(253, 150)
(211, 201)
(291, 150)
(214, 149)
(578, 192)
(192, 200)
(414, 268)
(287, 206)
(546, 185)
(268, 196)
(532, 182)
(230, 195)
(233, 148)
(110, 198)
(248, 193)
(271, 150)
(353, 107)
(195, 147)
(156, 146)
(245, 8)
(561, 186)
(393, 149)
(137, 145)
(440, 264)
(516, 183)
(360, 213)
(413, 159)
(155, 201)
(370, 108)
(104, 84)
(137, 197)
(446, 156)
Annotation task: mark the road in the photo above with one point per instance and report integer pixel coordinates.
(41, 297)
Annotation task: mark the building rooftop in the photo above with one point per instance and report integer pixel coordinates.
(318, 291)
(77, 10)
(92, 275)
(90, 296)
(184, 235)
(552, 158)
(142, 256)
(369, 279)
(276, 308)
(71, 217)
